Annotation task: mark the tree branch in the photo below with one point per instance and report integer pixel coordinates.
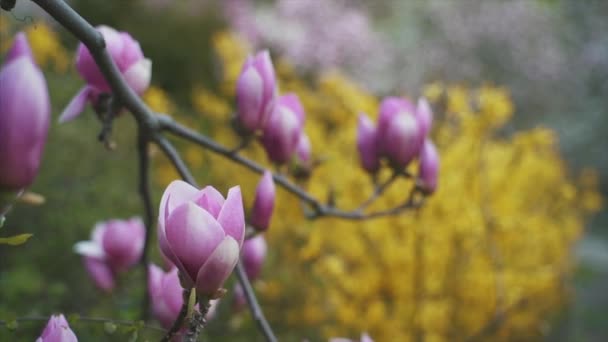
(318, 209)
(179, 321)
(176, 160)
(144, 192)
(254, 306)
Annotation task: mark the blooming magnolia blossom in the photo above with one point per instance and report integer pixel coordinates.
(115, 246)
(255, 92)
(201, 233)
(24, 116)
(128, 57)
(57, 330)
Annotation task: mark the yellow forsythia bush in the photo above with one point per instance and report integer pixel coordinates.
(487, 257)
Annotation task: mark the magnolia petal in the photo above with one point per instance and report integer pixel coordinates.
(100, 272)
(192, 234)
(139, 75)
(89, 249)
(232, 215)
(218, 267)
(155, 278)
(76, 106)
(211, 200)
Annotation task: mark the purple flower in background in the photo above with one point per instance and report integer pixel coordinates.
(57, 330)
(201, 233)
(115, 246)
(24, 116)
(255, 92)
(128, 57)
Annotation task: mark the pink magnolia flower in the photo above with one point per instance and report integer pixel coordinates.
(24, 116)
(255, 92)
(253, 255)
(115, 246)
(57, 330)
(399, 135)
(130, 60)
(283, 129)
(263, 204)
(201, 233)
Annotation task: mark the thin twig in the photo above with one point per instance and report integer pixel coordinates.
(379, 190)
(179, 321)
(175, 158)
(144, 192)
(254, 306)
(88, 320)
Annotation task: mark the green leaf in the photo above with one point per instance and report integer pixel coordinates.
(15, 240)
(134, 336)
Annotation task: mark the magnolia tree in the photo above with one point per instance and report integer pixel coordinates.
(203, 235)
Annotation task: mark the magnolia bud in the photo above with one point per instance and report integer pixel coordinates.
(429, 167)
(399, 136)
(24, 117)
(263, 204)
(367, 144)
(255, 92)
(57, 330)
(253, 255)
(283, 129)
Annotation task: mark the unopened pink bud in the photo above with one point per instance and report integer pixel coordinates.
(253, 255)
(429, 167)
(57, 330)
(263, 204)
(367, 144)
(399, 136)
(201, 233)
(255, 92)
(283, 129)
(24, 117)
